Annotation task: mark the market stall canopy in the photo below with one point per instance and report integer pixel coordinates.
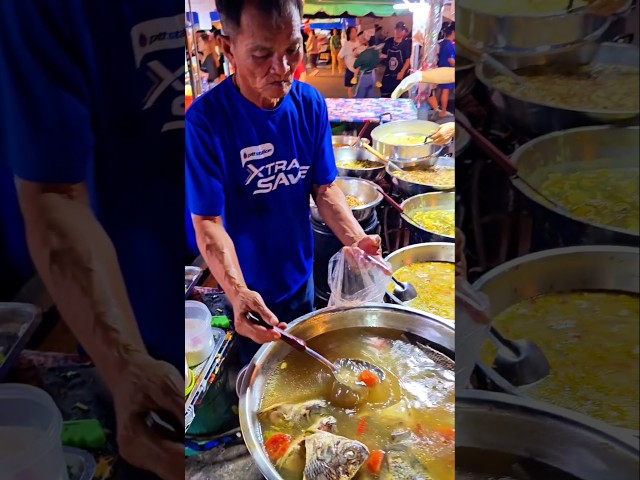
(361, 8)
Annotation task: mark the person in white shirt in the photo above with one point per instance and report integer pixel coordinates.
(348, 53)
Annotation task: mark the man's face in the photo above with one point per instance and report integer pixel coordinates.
(265, 52)
(400, 34)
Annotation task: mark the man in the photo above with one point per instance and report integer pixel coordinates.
(92, 142)
(377, 39)
(446, 58)
(348, 54)
(335, 44)
(366, 63)
(397, 51)
(257, 147)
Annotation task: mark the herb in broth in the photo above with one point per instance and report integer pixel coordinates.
(405, 425)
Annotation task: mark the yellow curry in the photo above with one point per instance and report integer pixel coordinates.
(353, 202)
(359, 164)
(441, 222)
(444, 176)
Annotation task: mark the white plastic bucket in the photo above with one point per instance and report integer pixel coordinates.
(30, 428)
(199, 341)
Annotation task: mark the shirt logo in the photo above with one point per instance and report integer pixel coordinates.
(393, 63)
(255, 153)
(157, 34)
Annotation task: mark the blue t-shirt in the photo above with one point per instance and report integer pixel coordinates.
(93, 91)
(256, 169)
(447, 51)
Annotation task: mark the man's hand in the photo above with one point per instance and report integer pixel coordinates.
(248, 301)
(400, 76)
(444, 133)
(147, 385)
(440, 75)
(370, 245)
(607, 7)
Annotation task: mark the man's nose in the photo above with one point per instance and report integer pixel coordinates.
(280, 65)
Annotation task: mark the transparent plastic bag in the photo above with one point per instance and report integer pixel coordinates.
(356, 278)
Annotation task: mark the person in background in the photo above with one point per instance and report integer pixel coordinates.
(348, 55)
(313, 48)
(249, 184)
(300, 73)
(216, 36)
(397, 51)
(446, 58)
(365, 64)
(305, 38)
(209, 60)
(335, 44)
(377, 40)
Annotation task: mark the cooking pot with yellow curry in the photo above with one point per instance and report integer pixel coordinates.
(405, 428)
(430, 217)
(580, 305)
(404, 140)
(592, 173)
(430, 268)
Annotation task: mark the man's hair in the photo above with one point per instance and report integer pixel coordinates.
(230, 11)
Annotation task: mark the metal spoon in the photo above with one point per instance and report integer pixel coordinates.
(342, 393)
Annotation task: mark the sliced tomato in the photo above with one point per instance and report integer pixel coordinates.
(277, 445)
(374, 463)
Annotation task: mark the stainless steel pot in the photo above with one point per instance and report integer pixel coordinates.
(462, 138)
(409, 189)
(595, 268)
(398, 153)
(538, 118)
(422, 252)
(424, 202)
(554, 437)
(465, 76)
(347, 140)
(251, 383)
(494, 33)
(347, 154)
(363, 190)
(610, 147)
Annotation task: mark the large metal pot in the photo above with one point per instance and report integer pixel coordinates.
(363, 190)
(251, 382)
(490, 422)
(595, 268)
(398, 153)
(421, 203)
(343, 141)
(422, 252)
(407, 188)
(538, 118)
(348, 154)
(610, 147)
(480, 29)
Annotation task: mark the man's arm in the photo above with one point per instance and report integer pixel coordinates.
(333, 208)
(77, 262)
(219, 253)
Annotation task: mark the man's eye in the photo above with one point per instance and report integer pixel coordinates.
(260, 57)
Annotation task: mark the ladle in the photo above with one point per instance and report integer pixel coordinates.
(520, 362)
(346, 395)
(502, 159)
(375, 153)
(362, 130)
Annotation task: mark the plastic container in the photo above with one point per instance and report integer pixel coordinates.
(30, 427)
(198, 334)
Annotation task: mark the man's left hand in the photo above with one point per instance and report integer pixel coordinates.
(370, 245)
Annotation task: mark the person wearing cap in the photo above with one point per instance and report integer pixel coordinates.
(398, 53)
(446, 58)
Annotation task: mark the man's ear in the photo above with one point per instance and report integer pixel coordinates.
(225, 45)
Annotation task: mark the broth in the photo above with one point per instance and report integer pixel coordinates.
(435, 284)
(405, 139)
(359, 164)
(591, 342)
(416, 397)
(441, 222)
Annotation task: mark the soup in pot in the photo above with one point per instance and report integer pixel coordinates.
(441, 222)
(403, 430)
(445, 176)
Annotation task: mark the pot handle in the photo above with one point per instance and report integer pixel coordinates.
(383, 115)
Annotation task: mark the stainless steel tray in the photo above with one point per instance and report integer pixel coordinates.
(18, 322)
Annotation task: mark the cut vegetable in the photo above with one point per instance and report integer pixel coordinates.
(374, 463)
(370, 379)
(361, 426)
(277, 445)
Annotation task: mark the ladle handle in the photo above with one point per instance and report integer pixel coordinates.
(489, 148)
(388, 198)
(287, 338)
(375, 153)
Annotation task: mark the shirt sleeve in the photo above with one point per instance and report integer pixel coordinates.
(45, 94)
(203, 168)
(385, 47)
(324, 162)
(406, 50)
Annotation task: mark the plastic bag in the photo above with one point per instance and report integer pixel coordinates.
(355, 278)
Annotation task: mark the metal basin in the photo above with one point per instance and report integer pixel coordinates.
(399, 153)
(496, 33)
(584, 148)
(347, 154)
(363, 190)
(422, 252)
(425, 202)
(343, 141)
(409, 189)
(538, 118)
(251, 383)
(553, 437)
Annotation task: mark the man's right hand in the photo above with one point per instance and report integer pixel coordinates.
(247, 301)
